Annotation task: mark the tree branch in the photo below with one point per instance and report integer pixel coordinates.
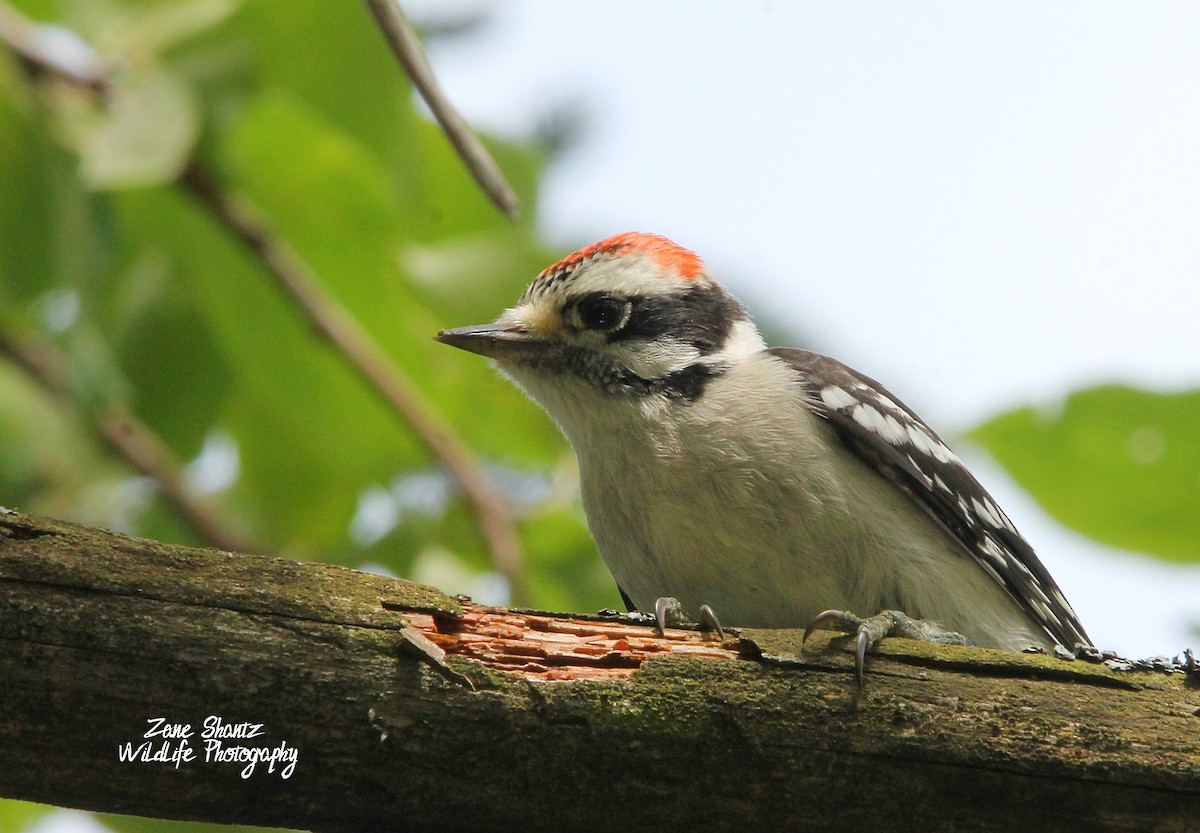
(573, 723)
(406, 46)
(78, 64)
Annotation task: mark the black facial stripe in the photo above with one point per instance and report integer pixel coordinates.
(684, 385)
(702, 315)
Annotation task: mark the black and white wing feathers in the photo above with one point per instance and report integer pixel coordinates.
(894, 441)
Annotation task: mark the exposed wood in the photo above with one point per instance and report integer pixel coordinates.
(567, 723)
(537, 646)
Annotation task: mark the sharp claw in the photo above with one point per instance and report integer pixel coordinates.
(709, 617)
(661, 606)
(825, 617)
(865, 636)
(886, 623)
(860, 655)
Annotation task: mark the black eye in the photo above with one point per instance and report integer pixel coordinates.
(603, 312)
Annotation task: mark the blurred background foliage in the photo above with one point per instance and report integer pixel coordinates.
(132, 293)
(128, 292)
(113, 270)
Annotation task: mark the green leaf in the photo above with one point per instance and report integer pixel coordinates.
(148, 29)
(178, 378)
(143, 136)
(332, 57)
(43, 210)
(1116, 463)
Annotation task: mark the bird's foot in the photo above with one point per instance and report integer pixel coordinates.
(668, 610)
(873, 630)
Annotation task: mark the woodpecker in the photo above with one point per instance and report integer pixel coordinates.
(771, 486)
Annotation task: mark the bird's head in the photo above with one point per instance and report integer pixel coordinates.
(634, 315)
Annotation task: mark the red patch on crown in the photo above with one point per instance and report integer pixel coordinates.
(668, 255)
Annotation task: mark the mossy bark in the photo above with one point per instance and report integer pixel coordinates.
(100, 633)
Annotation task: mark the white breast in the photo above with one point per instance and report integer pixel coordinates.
(744, 500)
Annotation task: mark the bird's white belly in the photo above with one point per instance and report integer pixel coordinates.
(765, 558)
(729, 540)
(759, 525)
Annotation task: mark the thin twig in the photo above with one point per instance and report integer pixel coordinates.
(406, 46)
(131, 439)
(334, 322)
(29, 41)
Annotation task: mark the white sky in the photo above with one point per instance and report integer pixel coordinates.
(979, 204)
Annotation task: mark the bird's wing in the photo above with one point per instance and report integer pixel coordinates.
(888, 437)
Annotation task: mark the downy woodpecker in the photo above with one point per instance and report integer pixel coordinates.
(775, 487)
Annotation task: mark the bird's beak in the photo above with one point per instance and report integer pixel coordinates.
(496, 341)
